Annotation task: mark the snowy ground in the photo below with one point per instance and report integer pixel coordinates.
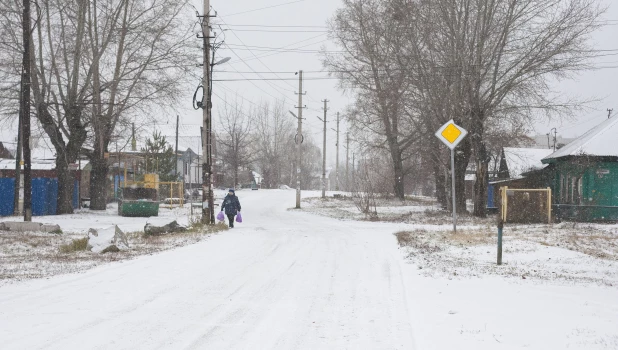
(37, 255)
(290, 279)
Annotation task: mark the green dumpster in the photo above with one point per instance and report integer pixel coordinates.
(138, 208)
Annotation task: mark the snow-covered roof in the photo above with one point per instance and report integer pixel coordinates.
(523, 160)
(9, 164)
(600, 141)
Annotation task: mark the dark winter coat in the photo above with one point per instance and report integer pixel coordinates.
(231, 204)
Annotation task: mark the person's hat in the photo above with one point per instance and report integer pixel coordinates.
(232, 190)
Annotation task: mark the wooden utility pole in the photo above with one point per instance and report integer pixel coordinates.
(337, 157)
(208, 216)
(347, 161)
(324, 151)
(176, 151)
(299, 137)
(353, 167)
(25, 112)
(18, 158)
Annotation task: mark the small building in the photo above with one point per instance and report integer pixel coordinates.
(585, 175)
(519, 168)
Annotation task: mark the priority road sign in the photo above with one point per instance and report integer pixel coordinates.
(451, 134)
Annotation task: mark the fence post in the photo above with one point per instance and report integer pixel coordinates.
(549, 205)
(500, 227)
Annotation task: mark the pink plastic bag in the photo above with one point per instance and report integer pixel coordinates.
(221, 216)
(238, 218)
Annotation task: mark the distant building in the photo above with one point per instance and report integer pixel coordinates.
(547, 141)
(5, 153)
(514, 162)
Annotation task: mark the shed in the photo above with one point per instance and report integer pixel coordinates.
(585, 175)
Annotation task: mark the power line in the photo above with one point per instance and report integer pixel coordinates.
(276, 49)
(246, 59)
(254, 55)
(265, 8)
(277, 31)
(272, 26)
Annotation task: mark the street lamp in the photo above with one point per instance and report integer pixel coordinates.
(221, 61)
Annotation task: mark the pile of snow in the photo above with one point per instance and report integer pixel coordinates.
(107, 239)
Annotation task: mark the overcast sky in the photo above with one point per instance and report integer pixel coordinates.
(250, 53)
(601, 85)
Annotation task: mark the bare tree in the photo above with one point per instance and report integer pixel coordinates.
(235, 138)
(369, 66)
(274, 142)
(474, 61)
(501, 56)
(96, 65)
(139, 57)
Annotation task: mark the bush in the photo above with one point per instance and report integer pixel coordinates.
(76, 245)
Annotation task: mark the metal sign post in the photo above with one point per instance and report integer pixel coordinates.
(451, 135)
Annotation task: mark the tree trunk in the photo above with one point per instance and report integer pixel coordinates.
(440, 185)
(235, 176)
(463, 153)
(65, 187)
(397, 167)
(481, 159)
(399, 174)
(98, 183)
(480, 186)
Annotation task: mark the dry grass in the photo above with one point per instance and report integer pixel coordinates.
(423, 211)
(471, 237)
(77, 245)
(37, 255)
(460, 238)
(472, 252)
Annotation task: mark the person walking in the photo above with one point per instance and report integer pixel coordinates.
(231, 204)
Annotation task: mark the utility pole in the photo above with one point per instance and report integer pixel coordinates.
(324, 151)
(207, 198)
(18, 157)
(176, 151)
(337, 157)
(299, 137)
(555, 134)
(25, 112)
(353, 166)
(347, 161)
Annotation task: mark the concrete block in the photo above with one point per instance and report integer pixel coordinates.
(21, 226)
(51, 228)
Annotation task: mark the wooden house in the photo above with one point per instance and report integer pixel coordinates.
(585, 175)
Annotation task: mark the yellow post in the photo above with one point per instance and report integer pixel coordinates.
(505, 202)
(549, 205)
(182, 194)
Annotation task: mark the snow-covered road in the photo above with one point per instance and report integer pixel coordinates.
(281, 280)
(293, 280)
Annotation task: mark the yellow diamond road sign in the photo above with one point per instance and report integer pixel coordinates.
(451, 134)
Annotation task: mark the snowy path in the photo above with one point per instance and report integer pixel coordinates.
(282, 280)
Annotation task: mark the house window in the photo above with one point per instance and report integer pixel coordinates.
(580, 186)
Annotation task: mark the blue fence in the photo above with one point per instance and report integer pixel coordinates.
(44, 196)
(7, 204)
